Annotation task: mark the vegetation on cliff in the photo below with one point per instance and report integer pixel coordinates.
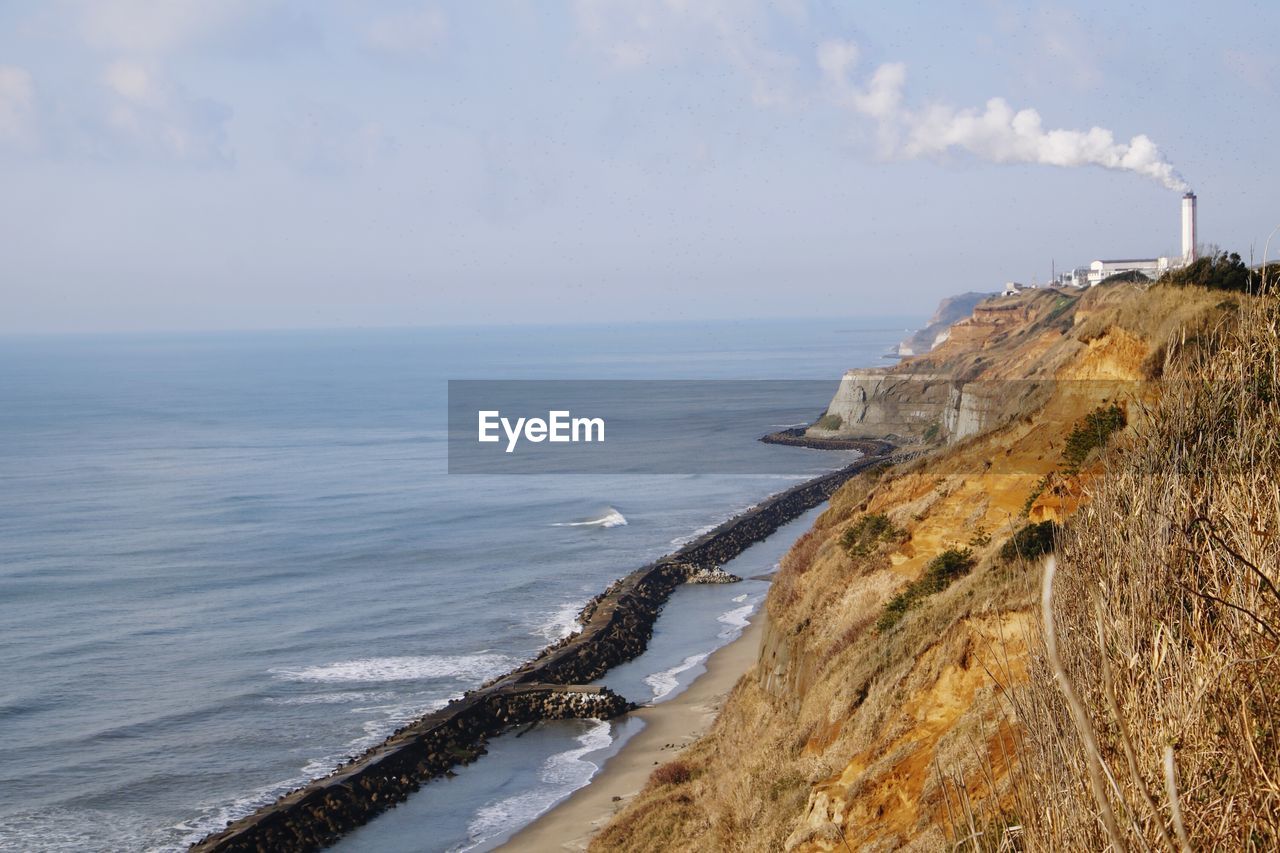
(946, 728)
(1167, 611)
(1093, 432)
(948, 566)
(868, 532)
(1030, 542)
(1220, 270)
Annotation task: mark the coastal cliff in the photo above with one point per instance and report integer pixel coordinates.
(961, 387)
(903, 698)
(938, 329)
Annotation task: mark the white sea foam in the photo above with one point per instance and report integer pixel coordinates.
(74, 829)
(390, 717)
(560, 775)
(664, 682)
(737, 619)
(473, 668)
(610, 518)
(740, 598)
(330, 698)
(562, 622)
(215, 817)
(681, 541)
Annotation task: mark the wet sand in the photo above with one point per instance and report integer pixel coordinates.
(680, 720)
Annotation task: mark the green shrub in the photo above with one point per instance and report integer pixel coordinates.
(1033, 540)
(896, 609)
(951, 564)
(1092, 432)
(1220, 271)
(932, 432)
(1036, 491)
(829, 421)
(862, 537)
(1125, 278)
(942, 571)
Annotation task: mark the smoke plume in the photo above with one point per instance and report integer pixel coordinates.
(997, 133)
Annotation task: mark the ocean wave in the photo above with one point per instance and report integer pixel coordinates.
(560, 775)
(473, 668)
(664, 682)
(681, 541)
(739, 509)
(392, 715)
(610, 518)
(329, 698)
(73, 829)
(214, 817)
(737, 619)
(562, 622)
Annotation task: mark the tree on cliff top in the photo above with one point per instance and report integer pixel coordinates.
(1222, 271)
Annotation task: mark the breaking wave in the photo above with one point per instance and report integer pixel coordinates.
(562, 623)
(737, 619)
(477, 668)
(611, 518)
(667, 680)
(560, 775)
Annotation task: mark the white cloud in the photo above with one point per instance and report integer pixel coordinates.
(997, 133)
(407, 33)
(323, 139)
(130, 81)
(155, 26)
(17, 105)
(654, 32)
(148, 115)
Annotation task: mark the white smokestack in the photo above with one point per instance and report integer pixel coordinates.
(997, 133)
(1188, 228)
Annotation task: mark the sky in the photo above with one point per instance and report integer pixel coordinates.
(251, 164)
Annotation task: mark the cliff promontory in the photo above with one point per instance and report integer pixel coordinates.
(938, 329)
(965, 385)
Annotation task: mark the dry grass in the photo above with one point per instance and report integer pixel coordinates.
(849, 738)
(672, 773)
(1167, 618)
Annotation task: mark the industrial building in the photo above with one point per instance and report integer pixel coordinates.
(1152, 268)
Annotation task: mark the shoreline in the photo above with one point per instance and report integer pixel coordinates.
(615, 627)
(669, 727)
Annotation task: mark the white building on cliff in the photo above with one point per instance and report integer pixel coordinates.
(1152, 268)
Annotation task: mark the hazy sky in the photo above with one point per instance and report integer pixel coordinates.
(265, 163)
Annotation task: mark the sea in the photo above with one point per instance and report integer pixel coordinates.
(230, 561)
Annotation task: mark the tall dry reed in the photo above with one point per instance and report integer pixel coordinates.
(1150, 720)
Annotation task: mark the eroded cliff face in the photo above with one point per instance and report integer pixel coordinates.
(938, 329)
(850, 735)
(1006, 350)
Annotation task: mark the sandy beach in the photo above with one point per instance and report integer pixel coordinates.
(669, 727)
